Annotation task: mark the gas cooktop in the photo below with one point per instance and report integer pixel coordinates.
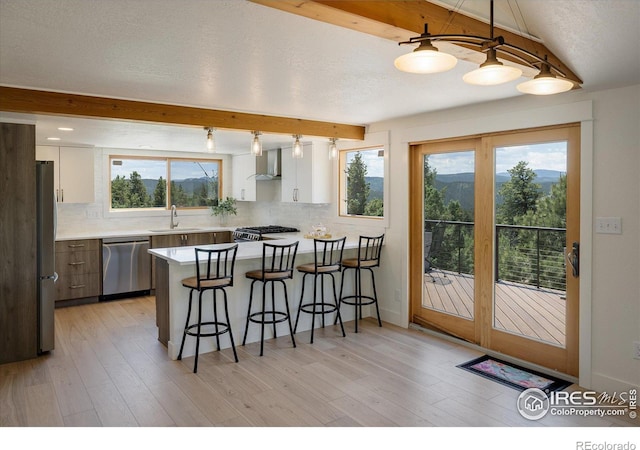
(255, 233)
(268, 229)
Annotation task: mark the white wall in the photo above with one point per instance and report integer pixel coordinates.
(616, 258)
(610, 285)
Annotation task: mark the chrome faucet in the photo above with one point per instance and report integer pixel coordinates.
(174, 213)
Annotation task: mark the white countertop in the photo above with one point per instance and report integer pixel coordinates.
(246, 250)
(93, 234)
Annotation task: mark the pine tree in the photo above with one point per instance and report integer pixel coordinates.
(551, 210)
(178, 195)
(374, 208)
(200, 194)
(520, 194)
(120, 192)
(357, 186)
(160, 193)
(433, 198)
(139, 198)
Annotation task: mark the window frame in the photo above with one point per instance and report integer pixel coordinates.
(376, 140)
(167, 159)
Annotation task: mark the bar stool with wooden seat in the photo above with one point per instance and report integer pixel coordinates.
(278, 260)
(220, 263)
(369, 248)
(327, 258)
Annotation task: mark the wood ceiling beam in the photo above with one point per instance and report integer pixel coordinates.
(399, 20)
(56, 103)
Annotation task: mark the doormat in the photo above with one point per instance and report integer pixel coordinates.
(511, 375)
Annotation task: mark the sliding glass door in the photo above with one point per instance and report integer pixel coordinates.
(494, 240)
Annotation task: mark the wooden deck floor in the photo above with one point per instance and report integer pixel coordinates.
(524, 310)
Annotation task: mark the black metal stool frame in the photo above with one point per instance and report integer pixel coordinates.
(327, 259)
(280, 268)
(369, 249)
(215, 279)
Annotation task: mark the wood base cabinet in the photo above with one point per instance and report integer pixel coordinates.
(78, 264)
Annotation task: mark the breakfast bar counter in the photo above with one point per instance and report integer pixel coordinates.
(176, 263)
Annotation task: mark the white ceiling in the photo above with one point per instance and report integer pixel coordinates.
(240, 56)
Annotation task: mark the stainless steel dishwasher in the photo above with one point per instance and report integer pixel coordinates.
(126, 267)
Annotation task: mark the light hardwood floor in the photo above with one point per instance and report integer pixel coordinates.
(108, 369)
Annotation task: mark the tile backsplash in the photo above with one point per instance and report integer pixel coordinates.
(80, 218)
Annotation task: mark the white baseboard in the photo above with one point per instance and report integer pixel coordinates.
(604, 383)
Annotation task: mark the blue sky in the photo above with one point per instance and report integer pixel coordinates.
(374, 163)
(550, 156)
(154, 169)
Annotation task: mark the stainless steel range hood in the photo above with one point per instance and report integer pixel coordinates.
(268, 166)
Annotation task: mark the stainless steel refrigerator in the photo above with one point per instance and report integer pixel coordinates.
(46, 236)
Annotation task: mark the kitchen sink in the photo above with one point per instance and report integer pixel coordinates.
(177, 229)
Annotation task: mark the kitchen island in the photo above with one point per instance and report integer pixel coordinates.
(176, 263)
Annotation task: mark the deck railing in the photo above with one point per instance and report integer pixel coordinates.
(529, 255)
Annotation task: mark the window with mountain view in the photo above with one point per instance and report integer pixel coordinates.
(143, 183)
(362, 183)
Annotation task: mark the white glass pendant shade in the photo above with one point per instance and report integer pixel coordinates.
(492, 72)
(256, 145)
(425, 59)
(296, 150)
(545, 83)
(211, 144)
(545, 86)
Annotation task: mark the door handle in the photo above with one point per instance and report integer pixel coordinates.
(573, 258)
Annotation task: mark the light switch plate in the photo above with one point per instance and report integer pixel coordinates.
(609, 225)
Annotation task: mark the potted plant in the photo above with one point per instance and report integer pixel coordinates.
(223, 208)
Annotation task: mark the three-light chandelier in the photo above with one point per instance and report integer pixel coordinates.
(426, 59)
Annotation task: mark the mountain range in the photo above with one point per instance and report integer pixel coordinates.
(460, 186)
(188, 184)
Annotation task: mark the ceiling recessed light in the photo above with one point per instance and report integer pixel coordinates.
(65, 129)
(53, 139)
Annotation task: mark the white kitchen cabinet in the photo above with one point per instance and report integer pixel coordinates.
(307, 179)
(243, 181)
(73, 172)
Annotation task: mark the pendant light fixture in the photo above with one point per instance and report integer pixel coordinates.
(545, 83)
(425, 58)
(333, 148)
(492, 72)
(550, 80)
(211, 144)
(296, 150)
(256, 145)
